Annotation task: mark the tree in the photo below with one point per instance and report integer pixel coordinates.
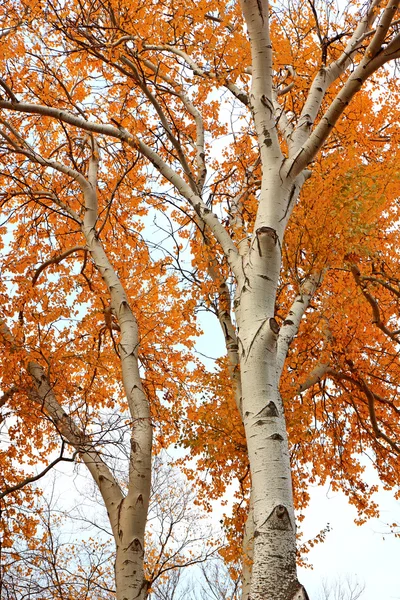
(71, 555)
(347, 589)
(109, 112)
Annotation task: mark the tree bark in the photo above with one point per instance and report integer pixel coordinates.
(273, 571)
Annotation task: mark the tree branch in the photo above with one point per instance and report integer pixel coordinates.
(28, 480)
(316, 375)
(164, 169)
(292, 321)
(376, 314)
(374, 58)
(371, 407)
(55, 260)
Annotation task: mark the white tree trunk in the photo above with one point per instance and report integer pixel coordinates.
(129, 517)
(274, 552)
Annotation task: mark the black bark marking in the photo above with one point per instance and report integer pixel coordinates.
(267, 102)
(254, 339)
(292, 192)
(269, 231)
(299, 593)
(120, 530)
(243, 98)
(136, 546)
(260, 9)
(288, 322)
(270, 234)
(269, 410)
(274, 326)
(276, 436)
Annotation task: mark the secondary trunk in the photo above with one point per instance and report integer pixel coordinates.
(129, 575)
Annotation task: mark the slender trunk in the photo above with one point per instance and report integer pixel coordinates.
(129, 517)
(129, 576)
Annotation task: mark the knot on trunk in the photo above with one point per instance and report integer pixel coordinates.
(267, 238)
(278, 519)
(136, 546)
(274, 326)
(267, 232)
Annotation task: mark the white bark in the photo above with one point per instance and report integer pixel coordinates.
(274, 540)
(127, 515)
(274, 568)
(248, 551)
(210, 219)
(291, 324)
(131, 513)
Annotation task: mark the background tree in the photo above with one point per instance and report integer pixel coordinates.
(110, 114)
(347, 589)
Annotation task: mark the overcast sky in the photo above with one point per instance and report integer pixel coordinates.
(369, 551)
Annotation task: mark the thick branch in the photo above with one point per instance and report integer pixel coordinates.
(317, 374)
(291, 324)
(231, 342)
(256, 15)
(326, 76)
(375, 57)
(164, 169)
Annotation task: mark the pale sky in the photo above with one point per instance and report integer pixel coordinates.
(369, 551)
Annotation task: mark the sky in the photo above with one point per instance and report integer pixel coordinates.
(369, 552)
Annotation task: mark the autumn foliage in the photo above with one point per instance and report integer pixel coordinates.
(167, 85)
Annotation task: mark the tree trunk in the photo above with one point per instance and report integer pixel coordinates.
(129, 575)
(274, 553)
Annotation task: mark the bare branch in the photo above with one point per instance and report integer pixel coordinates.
(15, 488)
(376, 313)
(55, 260)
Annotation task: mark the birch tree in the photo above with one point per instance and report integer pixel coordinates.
(143, 90)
